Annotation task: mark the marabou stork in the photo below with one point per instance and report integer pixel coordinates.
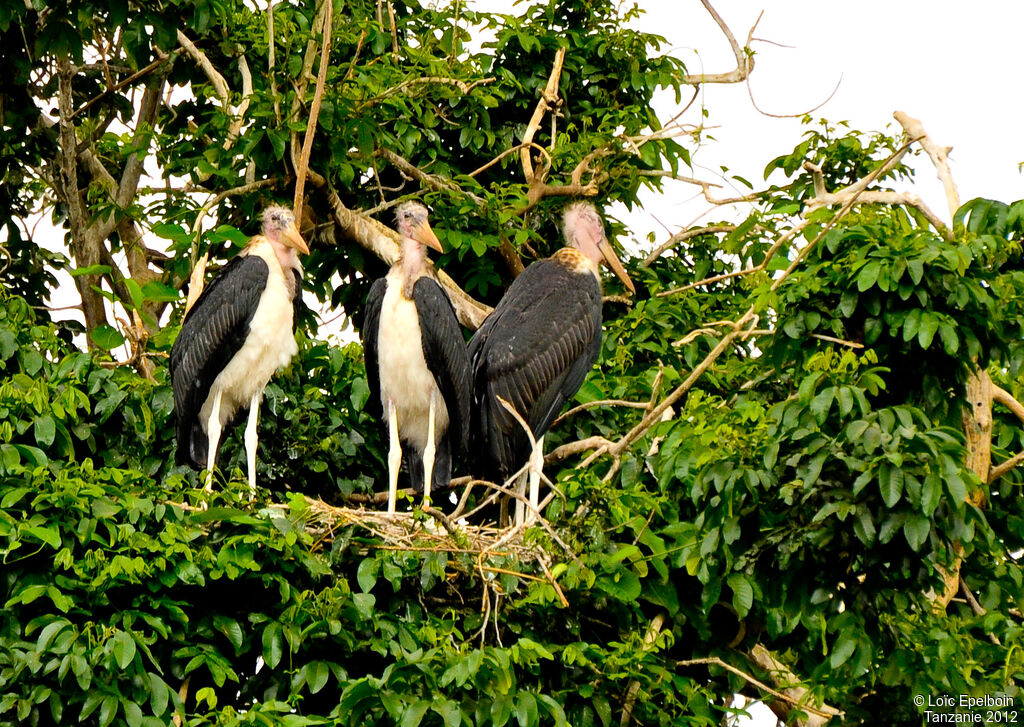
(534, 350)
(416, 362)
(238, 333)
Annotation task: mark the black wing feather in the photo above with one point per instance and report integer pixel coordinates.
(444, 350)
(212, 333)
(371, 328)
(534, 351)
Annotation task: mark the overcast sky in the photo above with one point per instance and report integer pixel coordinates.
(952, 65)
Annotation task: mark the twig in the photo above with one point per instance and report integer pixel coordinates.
(1007, 399)
(978, 609)
(601, 402)
(683, 236)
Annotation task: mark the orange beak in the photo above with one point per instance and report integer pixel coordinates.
(291, 237)
(423, 234)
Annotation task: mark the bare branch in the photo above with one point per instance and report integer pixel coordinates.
(744, 61)
(314, 112)
(683, 236)
(1004, 397)
(573, 448)
(220, 86)
(788, 683)
(938, 155)
(548, 100)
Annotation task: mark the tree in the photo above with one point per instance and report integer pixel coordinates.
(775, 483)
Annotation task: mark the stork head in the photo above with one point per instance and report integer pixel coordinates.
(279, 226)
(584, 231)
(411, 218)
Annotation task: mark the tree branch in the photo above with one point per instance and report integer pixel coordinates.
(683, 236)
(792, 693)
(549, 99)
(939, 156)
(744, 61)
(314, 112)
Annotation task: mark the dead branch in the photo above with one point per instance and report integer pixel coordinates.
(572, 448)
(823, 198)
(683, 236)
(1004, 397)
(600, 402)
(548, 100)
(220, 86)
(792, 692)
(744, 60)
(939, 156)
(314, 112)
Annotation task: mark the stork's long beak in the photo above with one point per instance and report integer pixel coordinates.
(613, 262)
(423, 234)
(291, 237)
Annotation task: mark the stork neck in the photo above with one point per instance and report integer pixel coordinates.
(414, 264)
(285, 255)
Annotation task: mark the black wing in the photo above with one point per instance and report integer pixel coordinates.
(444, 350)
(213, 331)
(371, 328)
(533, 351)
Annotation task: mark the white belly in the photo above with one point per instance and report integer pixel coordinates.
(269, 346)
(404, 376)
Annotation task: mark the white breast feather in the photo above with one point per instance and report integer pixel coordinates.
(404, 376)
(269, 345)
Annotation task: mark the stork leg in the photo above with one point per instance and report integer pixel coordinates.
(520, 494)
(250, 439)
(536, 465)
(394, 457)
(429, 452)
(213, 430)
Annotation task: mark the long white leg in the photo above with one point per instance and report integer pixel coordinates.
(536, 465)
(250, 438)
(429, 452)
(394, 457)
(213, 430)
(521, 493)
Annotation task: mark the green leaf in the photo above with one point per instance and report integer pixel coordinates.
(842, 651)
(90, 270)
(890, 482)
(868, 275)
(273, 648)
(742, 593)
(107, 337)
(366, 573)
(317, 673)
(414, 713)
(123, 648)
(44, 430)
(916, 530)
(364, 603)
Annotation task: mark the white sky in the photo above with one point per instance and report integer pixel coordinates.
(951, 65)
